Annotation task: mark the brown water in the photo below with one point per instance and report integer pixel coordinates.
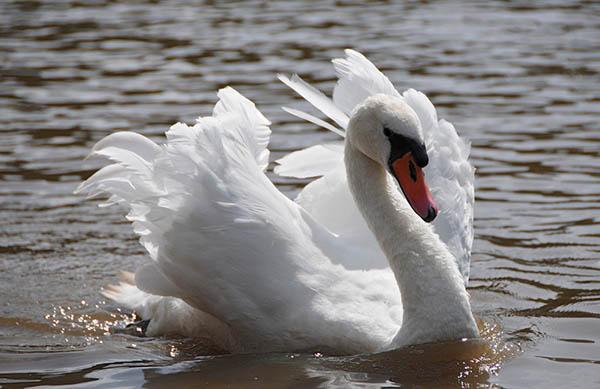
(521, 80)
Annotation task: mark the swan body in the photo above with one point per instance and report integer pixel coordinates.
(348, 267)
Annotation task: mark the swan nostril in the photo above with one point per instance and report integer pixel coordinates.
(431, 214)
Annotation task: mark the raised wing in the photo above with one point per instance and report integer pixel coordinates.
(224, 240)
(449, 173)
(212, 222)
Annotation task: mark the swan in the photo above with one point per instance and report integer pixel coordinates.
(364, 260)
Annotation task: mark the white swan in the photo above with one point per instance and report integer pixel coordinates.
(235, 262)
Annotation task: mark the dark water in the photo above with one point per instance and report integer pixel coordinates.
(520, 79)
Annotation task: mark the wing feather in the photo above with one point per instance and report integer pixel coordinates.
(313, 161)
(316, 98)
(314, 120)
(450, 174)
(358, 79)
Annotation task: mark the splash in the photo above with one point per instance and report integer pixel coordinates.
(92, 322)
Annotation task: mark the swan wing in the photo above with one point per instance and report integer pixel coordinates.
(329, 201)
(212, 222)
(223, 240)
(449, 173)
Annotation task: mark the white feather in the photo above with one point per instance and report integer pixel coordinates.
(136, 143)
(316, 98)
(358, 79)
(450, 175)
(314, 120)
(313, 161)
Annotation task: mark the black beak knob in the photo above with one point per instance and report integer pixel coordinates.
(431, 214)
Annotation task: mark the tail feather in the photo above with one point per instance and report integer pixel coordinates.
(171, 315)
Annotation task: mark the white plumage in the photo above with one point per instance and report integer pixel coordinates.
(450, 175)
(234, 261)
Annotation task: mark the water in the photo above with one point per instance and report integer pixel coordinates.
(521, 80)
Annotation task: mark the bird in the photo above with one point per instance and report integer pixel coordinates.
(372, 255)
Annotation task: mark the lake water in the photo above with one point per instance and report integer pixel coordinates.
(520, 79)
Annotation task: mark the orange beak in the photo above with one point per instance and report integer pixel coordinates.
(412, 181)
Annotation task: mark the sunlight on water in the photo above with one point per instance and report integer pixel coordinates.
(71, 322)
(463, 362)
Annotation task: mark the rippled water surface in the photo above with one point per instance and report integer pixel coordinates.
(521, 80)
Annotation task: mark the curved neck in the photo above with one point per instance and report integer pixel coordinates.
(434, 299)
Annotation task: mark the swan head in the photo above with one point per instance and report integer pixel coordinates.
(388, 131)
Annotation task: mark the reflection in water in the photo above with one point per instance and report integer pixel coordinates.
(467, 362)
(157, 363)
(520, 80)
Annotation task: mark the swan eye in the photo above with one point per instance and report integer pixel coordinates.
(412, 171)
(387, 132)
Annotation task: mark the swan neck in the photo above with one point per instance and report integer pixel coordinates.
(434, 298)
